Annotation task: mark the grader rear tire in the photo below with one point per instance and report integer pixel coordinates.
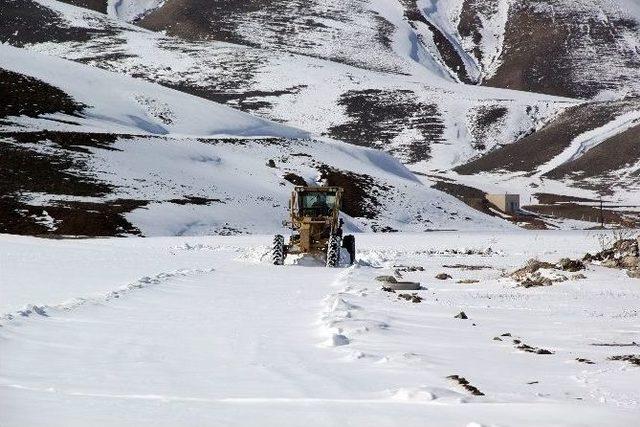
(333, 251)
(278, 251)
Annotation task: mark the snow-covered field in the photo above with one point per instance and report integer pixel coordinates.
(187, 331)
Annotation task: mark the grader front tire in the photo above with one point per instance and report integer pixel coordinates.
(333, 251)
(278, 251)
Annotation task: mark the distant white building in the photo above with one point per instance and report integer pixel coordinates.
(508, 203)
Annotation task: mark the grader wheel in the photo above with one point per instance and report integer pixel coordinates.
(278, 251)
(333, 251)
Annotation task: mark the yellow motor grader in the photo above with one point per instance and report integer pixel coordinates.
(316, 225)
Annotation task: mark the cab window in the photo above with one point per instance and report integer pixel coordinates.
(317, 203)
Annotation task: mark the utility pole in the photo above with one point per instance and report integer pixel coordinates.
(601, 214)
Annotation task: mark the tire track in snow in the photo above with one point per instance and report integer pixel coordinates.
(338, 319)
(229, 400)
(31, 310)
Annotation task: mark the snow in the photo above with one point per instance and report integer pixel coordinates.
(177, 146)
(590, 139)
(407, 45)
(252, 197)
(47, 220)
(313, 86)
(446, 16)
(303, 81)
(122, 104)
(433, 12)
(203, 331)
(630, 7)
(130, 10)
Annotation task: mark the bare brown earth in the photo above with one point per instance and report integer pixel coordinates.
(25, 21)
(540, 147)
(35, 182)
(475, 198)
(583, 209)
(470, 24)
(445, 47)
(360, 191)
(550, 48)
(550, 199)
(551, 206)
(25, 170)
(22, 95)
(289, 25)
(630, 219)
(549, 44)
(619, 152)
(97, 5)
(485, 120)
(377, 116)
(192, 19)
(534, 53)
(72, 218)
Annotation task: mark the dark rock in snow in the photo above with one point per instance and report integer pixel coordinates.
(634, 359)
(566, 264)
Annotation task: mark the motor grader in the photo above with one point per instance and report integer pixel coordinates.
(316, 227)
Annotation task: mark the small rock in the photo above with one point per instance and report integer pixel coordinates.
(626, 246)
(387, 279)
(570, 265)
(634, 274)
(271, 163)
(386, 289)
(461, 315)
(629, 261)
(497, 339)
(338, 340)
(578, 276)
(443, 276)
(415, 298)
(404, 286)
(634, 359)
(409, 268)
(467, 281)
(532, 282)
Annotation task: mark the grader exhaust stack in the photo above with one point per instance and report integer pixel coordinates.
(316, 226)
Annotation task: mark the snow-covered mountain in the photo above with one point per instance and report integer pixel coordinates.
(430, 82)
(92, 152)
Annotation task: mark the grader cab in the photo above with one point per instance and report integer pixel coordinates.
(316, 225)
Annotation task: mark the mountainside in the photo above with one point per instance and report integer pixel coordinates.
(430, 82)
(91, 152)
